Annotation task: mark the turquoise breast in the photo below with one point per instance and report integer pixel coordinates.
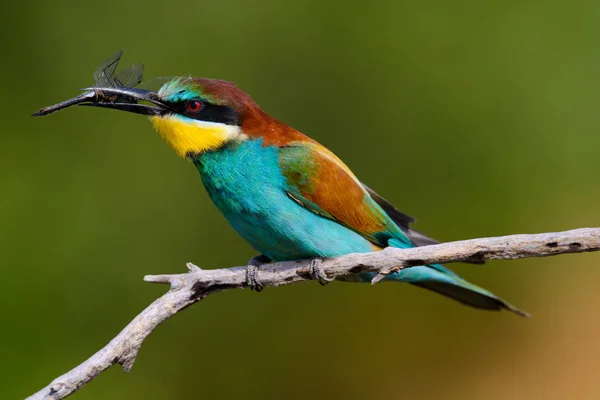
(245, 182)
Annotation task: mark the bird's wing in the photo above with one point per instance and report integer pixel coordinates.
(322, 183)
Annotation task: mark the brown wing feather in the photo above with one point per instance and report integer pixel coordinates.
(322, 183)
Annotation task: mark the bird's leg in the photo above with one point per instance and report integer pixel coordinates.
(252, 272)
(317, 273)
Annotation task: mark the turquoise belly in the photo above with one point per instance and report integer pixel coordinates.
(245, 182)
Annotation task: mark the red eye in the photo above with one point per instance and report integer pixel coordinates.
(194, 106)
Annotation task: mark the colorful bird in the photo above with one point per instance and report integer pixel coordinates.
(288, 196)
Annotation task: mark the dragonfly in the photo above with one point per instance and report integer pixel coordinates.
(105, 92)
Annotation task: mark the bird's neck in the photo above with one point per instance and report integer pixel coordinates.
(258, 124)
(191, 137)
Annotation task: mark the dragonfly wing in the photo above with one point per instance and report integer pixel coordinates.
(105, 71)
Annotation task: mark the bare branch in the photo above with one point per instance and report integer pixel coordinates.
(190, 287)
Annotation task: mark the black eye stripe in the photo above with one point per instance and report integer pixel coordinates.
(208, 112)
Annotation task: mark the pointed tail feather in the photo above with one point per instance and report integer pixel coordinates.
(472, 298)
(443, 281)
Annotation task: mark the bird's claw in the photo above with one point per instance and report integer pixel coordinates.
(317, 273)
(252, 272)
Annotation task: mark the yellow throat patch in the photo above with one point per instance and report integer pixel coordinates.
(193, 136)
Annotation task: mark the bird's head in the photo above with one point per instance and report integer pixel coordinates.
(199, 115)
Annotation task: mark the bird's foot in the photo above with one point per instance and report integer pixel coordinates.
(252, 272)
(317, 273)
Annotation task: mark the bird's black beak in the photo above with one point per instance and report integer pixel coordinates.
(118, 98)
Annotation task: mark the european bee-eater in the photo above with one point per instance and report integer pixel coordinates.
(288, 196)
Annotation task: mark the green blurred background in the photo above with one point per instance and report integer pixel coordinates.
(479, 118)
